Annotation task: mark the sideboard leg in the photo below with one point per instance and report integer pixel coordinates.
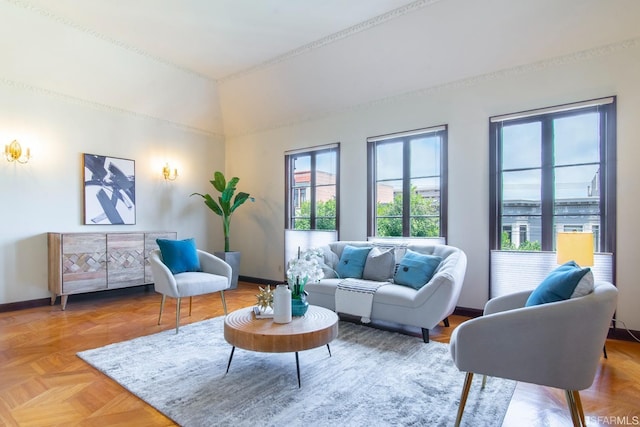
(63, 301)
(53, 299)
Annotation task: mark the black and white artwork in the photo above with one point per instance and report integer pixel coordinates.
(109, 190)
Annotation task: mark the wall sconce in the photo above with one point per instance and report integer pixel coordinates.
(166, 172)
(13, 153)
(575, 246)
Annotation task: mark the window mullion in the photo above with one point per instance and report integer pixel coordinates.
(312, 192)
(607, 179)
(287, 192)
(547, 208)
(406, 188)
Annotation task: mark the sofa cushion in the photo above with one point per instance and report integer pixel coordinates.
(179, 255)
(352, 262)
(379, 264)
(559, 285)
(585, 285)
(330, 261)
(416, 269)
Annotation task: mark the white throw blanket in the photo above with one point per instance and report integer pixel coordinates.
(355, 297)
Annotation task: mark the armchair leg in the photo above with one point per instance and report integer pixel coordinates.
(178, 303)
(425, 335)
(575, 407)
(463, 398)
(446, 322)
(161, 307)
(224, 303)
(190, 304)
(576, 397)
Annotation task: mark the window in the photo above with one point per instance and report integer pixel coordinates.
(507, 236)
(312, 188)
(554, 170)
(523, 234)
(407, 190)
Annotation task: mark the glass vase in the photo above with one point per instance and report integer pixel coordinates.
(299, 304)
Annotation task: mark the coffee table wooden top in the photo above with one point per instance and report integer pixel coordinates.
(319, 326)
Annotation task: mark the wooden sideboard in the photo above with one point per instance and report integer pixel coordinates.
(89, 262)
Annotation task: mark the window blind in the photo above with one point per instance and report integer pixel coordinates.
(308, 149)
(304, 240)
(557, 109)
(515, 271)
(406, 133)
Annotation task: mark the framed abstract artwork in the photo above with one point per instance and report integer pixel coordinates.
(109, 190)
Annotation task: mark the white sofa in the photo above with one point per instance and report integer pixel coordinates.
(423, 308)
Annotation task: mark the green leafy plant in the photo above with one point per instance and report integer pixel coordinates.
(223, 206)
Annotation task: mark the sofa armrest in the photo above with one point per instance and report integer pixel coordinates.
(448, 279)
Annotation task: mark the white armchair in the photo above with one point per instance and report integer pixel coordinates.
(214, 277)
(555, 344)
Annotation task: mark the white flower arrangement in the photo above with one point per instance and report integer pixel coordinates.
(307, 266)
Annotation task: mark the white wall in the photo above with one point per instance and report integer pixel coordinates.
(64, 93)
(46, 194)
(258, 158)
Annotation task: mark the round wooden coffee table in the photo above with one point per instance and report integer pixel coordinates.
(318, 327)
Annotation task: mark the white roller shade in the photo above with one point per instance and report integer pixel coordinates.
(514, 271)
(305, 239)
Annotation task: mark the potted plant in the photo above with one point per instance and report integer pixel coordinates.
(225, 208)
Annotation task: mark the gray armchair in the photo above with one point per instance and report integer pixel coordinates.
(214, 277)
(556, 344)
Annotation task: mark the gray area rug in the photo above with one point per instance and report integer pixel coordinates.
(374, 378)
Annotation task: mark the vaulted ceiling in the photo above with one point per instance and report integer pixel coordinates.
(319, 56)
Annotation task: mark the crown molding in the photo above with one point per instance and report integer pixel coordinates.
(67, 22)
(104, 107)
(583, 55)
(348, 32)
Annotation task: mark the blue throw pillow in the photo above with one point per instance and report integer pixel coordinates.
(558, 285)
(179, 255)
(352, 262)
(416, 269)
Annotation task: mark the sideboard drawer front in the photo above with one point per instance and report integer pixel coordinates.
(125, 254)
(84, 262)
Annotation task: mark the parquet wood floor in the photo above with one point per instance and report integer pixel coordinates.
(44, 383)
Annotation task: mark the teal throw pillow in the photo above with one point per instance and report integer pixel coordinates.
(416, 269)
(558, 285)
(179, 255)
(352, 262)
